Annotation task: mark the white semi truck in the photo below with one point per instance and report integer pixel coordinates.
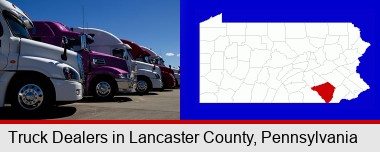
(33, 75)
(148, 75)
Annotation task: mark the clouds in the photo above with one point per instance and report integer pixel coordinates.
(170, 54)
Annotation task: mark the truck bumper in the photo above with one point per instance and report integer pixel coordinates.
(169, 80)
(156, 83)
(178, 81)
(126, 85)
(67, 90)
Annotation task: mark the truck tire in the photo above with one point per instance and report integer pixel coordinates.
(31, 95)
(143, 85)
(103, 89)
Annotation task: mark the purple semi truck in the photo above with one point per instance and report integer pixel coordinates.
(104, 74)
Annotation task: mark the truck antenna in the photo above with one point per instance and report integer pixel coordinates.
(83, 17)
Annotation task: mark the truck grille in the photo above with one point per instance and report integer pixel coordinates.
(98, 61)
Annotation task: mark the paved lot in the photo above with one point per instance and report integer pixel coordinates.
(161, 105)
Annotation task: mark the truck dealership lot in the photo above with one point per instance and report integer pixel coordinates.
(157, 105)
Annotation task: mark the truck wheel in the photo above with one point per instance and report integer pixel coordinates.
(31, 95)
(103, 89)
(143, 86)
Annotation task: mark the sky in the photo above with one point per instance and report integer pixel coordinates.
(151, 23)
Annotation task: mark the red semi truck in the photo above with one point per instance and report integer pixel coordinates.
(159, 61)
(138, 53)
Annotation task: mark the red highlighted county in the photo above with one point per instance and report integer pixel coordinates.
(326, 91)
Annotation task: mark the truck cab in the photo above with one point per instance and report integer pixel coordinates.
(105, 75)
(158, 60)
(139, 54)
(34, 75)
(148, 75)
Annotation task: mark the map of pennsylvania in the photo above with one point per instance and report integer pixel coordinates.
(279, 62)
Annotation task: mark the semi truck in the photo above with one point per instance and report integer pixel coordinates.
(158, 60)
(105, 75)
(34, 75)
(138, 53)
(148, 75)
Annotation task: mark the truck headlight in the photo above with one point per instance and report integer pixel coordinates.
(125, 76)
(70, 74)
(157, 76)
(171, 75)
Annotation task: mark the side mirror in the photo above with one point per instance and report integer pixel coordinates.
(65, 41)
(27, 23)
(89, 38)
(83, 42)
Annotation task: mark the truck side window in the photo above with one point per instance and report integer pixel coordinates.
(154, 61)
(16, 25)
(118, 53)
(140, 58)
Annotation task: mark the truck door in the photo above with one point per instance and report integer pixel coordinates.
(3, 50)
(87, 59)
(124, 54)
(131, 65)
(14, 29)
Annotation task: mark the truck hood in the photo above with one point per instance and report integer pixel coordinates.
(166, 69)
(43, 50)
(100, 54)
(110, 60)
(143, 65)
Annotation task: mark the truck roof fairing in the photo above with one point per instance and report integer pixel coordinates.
(102, 38)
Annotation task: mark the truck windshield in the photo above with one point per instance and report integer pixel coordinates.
(75, 48)
(161, 62)
(158, 61)
(143, 58)
(16, 25)
(118, 53)
(75, 45)
(81, 43)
